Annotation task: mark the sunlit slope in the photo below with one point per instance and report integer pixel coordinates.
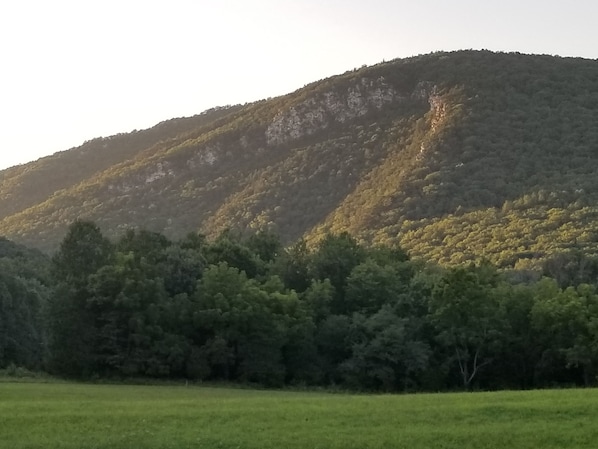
(456, 156)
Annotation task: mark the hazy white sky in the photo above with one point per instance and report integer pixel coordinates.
(72, 70)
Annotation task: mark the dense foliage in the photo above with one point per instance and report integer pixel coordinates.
(241, 308)
(24, 292)
(456, 157)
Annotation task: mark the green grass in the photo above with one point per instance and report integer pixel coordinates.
(66, 415)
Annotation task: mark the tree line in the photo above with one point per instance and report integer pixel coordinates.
(246, 309)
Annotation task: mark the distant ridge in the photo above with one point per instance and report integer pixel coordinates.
(456, 156)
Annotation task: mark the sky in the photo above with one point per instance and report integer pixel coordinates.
(73, 70)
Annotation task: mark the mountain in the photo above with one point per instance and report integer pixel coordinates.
(456, 156)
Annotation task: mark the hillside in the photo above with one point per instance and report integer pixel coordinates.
(456, 156)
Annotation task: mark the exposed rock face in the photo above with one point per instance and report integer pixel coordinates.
(317, 113)
(161, 171)
(423, 90)
(438, 107)
(303, 119)
(206, 155)
(428, 91)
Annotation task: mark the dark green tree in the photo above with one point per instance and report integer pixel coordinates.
(244, 319)
(568, 320)
(466, 314)
(82, 252)
(21, 326)
(72, 325)
(334, 259)
(292, 266)
(370, 286)
(386, 354)
(229, 247)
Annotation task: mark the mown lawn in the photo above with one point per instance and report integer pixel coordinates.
(64, 415)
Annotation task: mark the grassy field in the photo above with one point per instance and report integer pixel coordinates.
(64, 415)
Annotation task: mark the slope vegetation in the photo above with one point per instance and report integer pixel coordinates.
(456, 156)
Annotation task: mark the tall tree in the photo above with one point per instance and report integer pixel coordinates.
(387, 354)
(246, 321)
(334, 259)
(73, 332)
(370, 286)
(467, 317)
(82, 252)
(21, 331)
(292, 266)
(568, 319)
(229, 247)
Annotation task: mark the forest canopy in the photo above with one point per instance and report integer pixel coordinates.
(244, 308)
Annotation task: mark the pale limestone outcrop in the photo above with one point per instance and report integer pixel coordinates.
(206, 155)
(160, 172)
(318, 112)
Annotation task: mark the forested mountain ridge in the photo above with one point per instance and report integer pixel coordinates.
(456, 156)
